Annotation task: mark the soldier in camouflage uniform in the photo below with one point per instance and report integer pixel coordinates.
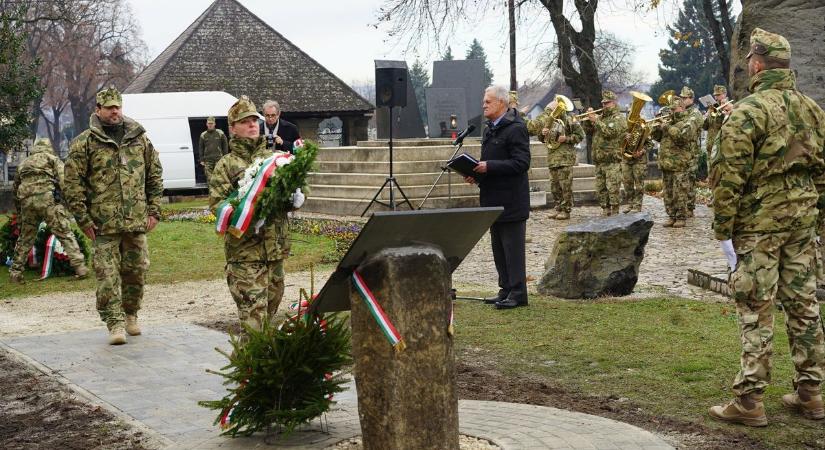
(608, 132)
(768, 179)
(255, 261)
(714, 119)
(38, 181)
(634, 170)
(560, 138)
(212, 145)
(114, 186)
(675, 159)
(696, 117)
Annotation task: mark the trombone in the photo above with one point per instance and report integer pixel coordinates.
(585, 114)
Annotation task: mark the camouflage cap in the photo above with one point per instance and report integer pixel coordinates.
(769, 44)
(514, 97)
(109, 97)
(608, 96)
(686, 92)
(242, 109)
(43, 144)
(674, 102)
(210, 119)
(719, 90)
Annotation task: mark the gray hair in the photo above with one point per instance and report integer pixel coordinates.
(500, 92)
(269, 103)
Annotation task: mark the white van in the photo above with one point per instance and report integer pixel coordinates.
(174, 122)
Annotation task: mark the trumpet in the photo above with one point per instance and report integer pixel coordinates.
(585, 114)
(658, 118)
(714, 110)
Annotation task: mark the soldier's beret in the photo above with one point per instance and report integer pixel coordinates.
(686, 92)
(109, 97)
(242, 109)
(770, 44)
(210, 119)
(608, 96)
(719, 89)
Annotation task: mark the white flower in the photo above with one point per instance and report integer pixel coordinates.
(245, 183)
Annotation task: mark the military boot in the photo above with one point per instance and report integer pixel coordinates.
(132, 326)
(81, 272)
(614, 210)
(807, 400)
(628, 210)
(117, 335)
(563, 215)
(605, 212)
(636, 209)
(669, 222)
(679, 223)
(690, 213)
(746, 410)
(553, 214)
(16, 278)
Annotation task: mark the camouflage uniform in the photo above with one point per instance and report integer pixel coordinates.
(255, 261)
(560, 159)
(713, 123)
(768, 179)
(608, 133)
(212, 145)
(35, 185)
(633, 178)
(694, 116)
(675, 161)
(115, 187)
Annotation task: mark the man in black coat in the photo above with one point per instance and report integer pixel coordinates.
(280, 134)
(505, 160)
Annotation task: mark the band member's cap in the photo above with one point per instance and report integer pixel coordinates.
(686, 92)
(608, 96)
(769, 44)
(719, 89)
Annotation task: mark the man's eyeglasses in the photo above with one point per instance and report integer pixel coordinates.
(271, 116)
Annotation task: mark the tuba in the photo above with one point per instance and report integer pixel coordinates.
(634, 143)
(557, 129)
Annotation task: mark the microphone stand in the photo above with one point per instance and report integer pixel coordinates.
(444, 169)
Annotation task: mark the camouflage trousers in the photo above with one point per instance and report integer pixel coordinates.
(208, 167)
(608, 184)
(257, 288)
(633, 179)
(676, 185)
(34, 210)
(121, 261)
(781, 265)
(691, 190)
(561, 187)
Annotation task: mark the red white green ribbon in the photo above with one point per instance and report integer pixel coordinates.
(246, 208)
(223, 213)
(451, 326)
(48, 260)
(378, 313)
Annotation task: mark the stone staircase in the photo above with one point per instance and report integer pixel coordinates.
(347, 178)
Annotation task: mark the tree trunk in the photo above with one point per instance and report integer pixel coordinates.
(719, 40)
(511, 11)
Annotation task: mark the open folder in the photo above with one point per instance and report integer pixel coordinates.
(464, 164)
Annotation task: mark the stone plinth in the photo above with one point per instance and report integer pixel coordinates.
(406, 399)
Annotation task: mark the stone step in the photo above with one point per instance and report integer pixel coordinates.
(410, 153)
(398, 167)
(417, 178)
(412, 191)
(354, 207)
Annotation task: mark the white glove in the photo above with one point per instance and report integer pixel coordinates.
(298, 198)
(730, 253)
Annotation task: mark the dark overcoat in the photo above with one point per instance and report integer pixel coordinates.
(506, 148)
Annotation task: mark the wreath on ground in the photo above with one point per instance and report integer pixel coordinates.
(61, 266)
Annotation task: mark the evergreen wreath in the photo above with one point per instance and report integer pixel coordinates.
(282, 375)
(277, 197)
(10, 232)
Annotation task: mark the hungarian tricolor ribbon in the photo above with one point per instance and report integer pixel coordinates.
(48, 258)
(223, 213)
(378, 313)
(246, 208)
(451, 326)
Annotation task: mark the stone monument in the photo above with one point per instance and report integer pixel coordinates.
(465, 75)
(407, 119)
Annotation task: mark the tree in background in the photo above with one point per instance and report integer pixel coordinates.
(476, 51)
(448, 55)
(690, 59)
(420, 79)
(19, 86)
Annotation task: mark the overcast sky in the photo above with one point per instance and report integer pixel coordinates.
(341, 34)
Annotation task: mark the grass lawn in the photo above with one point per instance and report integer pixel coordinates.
(188, 204)
(178, 251)
(672, 357)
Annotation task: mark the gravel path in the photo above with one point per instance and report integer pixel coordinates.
(669, 253)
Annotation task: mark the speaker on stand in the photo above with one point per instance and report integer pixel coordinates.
(390, 91)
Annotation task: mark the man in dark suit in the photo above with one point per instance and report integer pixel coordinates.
(505, 159)
(280, 134)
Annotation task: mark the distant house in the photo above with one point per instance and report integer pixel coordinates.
(214, 54)
(534, 98)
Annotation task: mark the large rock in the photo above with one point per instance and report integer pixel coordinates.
(802, 23)
(598, 257)
(407, 399)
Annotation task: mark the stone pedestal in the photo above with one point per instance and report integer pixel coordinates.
(407, 399)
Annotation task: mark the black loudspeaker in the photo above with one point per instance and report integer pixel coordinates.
(391, 86)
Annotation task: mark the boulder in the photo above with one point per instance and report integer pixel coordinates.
(598, 257)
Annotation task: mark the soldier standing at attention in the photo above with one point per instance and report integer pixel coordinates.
(211, 146)
(767, 179)
(255, 261)
(634, 170)
(114, 183)
(695, 117)
(608, 132)
(715, 117)
(39, 180)
(560, 136)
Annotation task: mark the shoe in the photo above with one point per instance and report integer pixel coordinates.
(16, 278)
(117, 335)
(628, 210)
(679, 223)
(746, 409)
(552, 214)
(81, 272)
(564, 215)
(636, 209)
(508, 303)
(614, 210)
(689, 213)
(807, 400)
(605, 212)
(669, 222)
(132, 326)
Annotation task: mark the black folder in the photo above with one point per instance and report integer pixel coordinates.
(464, 164)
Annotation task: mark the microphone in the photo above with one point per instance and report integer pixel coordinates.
(460, 138)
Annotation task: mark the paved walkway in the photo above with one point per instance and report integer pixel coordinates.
(156, 380)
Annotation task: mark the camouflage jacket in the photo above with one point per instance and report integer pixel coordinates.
(696, 120)
(712, 124)
(212, 145)
(565, 154)
(115, 187)
(608, 133)
(271, 242)
(675, 142)
(768, 174)
(40, 174)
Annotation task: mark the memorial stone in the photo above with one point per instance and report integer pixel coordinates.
(407, 119)
(467, 75)
(442, 103)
